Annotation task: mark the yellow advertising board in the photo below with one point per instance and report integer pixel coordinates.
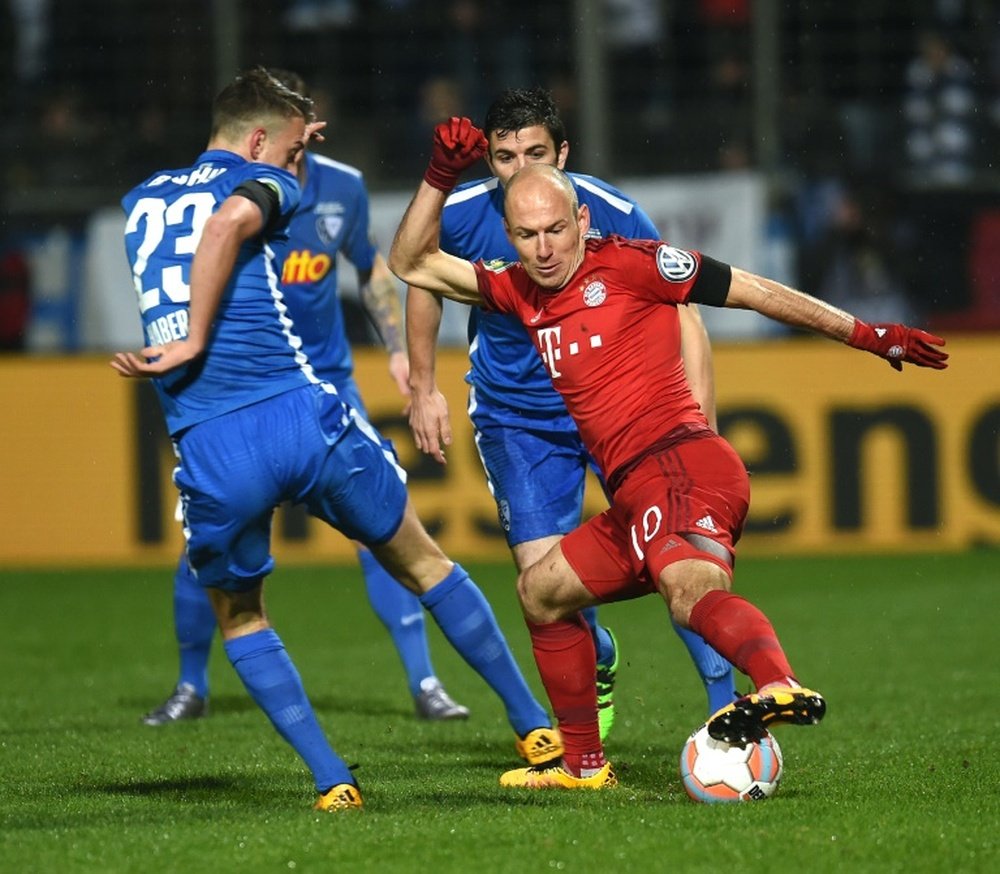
(846, 455)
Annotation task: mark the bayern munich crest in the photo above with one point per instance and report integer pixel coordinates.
(675, 265)
(595, 294)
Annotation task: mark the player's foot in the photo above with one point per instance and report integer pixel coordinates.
(748, 718)
(555, 776)
(606, 676)
(183, 703)
(343, 796)
(432, 702)
(540, 746)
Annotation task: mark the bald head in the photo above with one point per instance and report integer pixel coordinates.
(538, 183)
(545, 223)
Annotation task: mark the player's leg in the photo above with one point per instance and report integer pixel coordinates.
(552, 595)
(697, 592)
(606, 655)
(258, 655)
(194, 628)
(686, 544)
(402, 614)
(536, 476)
(229, 499)
(464, 616)
(360, 491)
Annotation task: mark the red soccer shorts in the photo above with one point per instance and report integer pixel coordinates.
(698, 486)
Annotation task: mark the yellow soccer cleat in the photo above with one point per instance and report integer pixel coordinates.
(555, 776)
(343, 796)
(540, 745)
(748, 718)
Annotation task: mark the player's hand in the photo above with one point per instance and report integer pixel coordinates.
(458, 144)
(898, 343)
(155, 360)
(399, 370)
(314, 133)
(430, 424)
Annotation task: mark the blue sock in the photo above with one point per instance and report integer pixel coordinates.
(273, 682)
(402, 615)
(716, 673)
(194, 627)
(603, 643)
(466, 619)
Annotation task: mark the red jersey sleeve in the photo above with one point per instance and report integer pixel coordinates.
(493, 279)
(673, 275)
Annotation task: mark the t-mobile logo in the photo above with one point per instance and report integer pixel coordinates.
(549, 342)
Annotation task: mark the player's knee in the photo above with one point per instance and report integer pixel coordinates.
(531, 592)
(543, 598)
(684, 583)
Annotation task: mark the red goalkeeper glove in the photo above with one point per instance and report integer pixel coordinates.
(898, 343)
(458, 144)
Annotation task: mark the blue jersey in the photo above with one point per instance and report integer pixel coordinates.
(332, 217)
(252, 353)
(507, 370)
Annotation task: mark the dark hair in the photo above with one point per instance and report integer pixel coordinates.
(255, 96)
(518, 108)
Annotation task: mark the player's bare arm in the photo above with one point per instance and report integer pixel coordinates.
(416, 259)
(380, 298)
(895, 343)
(696, 353)
(428, 412)
(235, 221)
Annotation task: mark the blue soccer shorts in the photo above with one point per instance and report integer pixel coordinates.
(302, 446)
(535, 471)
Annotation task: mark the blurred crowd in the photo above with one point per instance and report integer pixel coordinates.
(887, 119)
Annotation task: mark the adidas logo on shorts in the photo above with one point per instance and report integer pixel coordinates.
(707, 523)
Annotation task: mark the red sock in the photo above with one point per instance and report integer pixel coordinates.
(564, 652)
(742, 634)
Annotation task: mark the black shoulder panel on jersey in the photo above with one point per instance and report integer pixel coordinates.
(265, 197)
(712, 285)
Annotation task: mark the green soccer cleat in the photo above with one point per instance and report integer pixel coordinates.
(343, 796)
(540, 746)
(555, 776)
(606, 676)
(749, 718)
(183, 703)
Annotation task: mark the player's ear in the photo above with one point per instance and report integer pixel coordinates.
(562, 154)
(256, 140)
(583, 219)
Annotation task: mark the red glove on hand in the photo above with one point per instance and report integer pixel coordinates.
(898, 343)
(458, 144)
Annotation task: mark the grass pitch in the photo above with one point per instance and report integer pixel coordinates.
(903, 775)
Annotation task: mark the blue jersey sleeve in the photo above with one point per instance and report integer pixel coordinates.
(281, 182)
(358, 246)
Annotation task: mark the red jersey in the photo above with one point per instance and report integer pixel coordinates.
(610, 339)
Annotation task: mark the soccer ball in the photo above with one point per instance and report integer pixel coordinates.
(713, 771)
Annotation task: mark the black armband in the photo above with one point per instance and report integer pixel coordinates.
(266, 199)
(712, 285)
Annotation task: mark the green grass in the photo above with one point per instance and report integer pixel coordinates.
(903, 775)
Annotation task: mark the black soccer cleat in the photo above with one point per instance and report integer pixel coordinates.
(748, 719)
